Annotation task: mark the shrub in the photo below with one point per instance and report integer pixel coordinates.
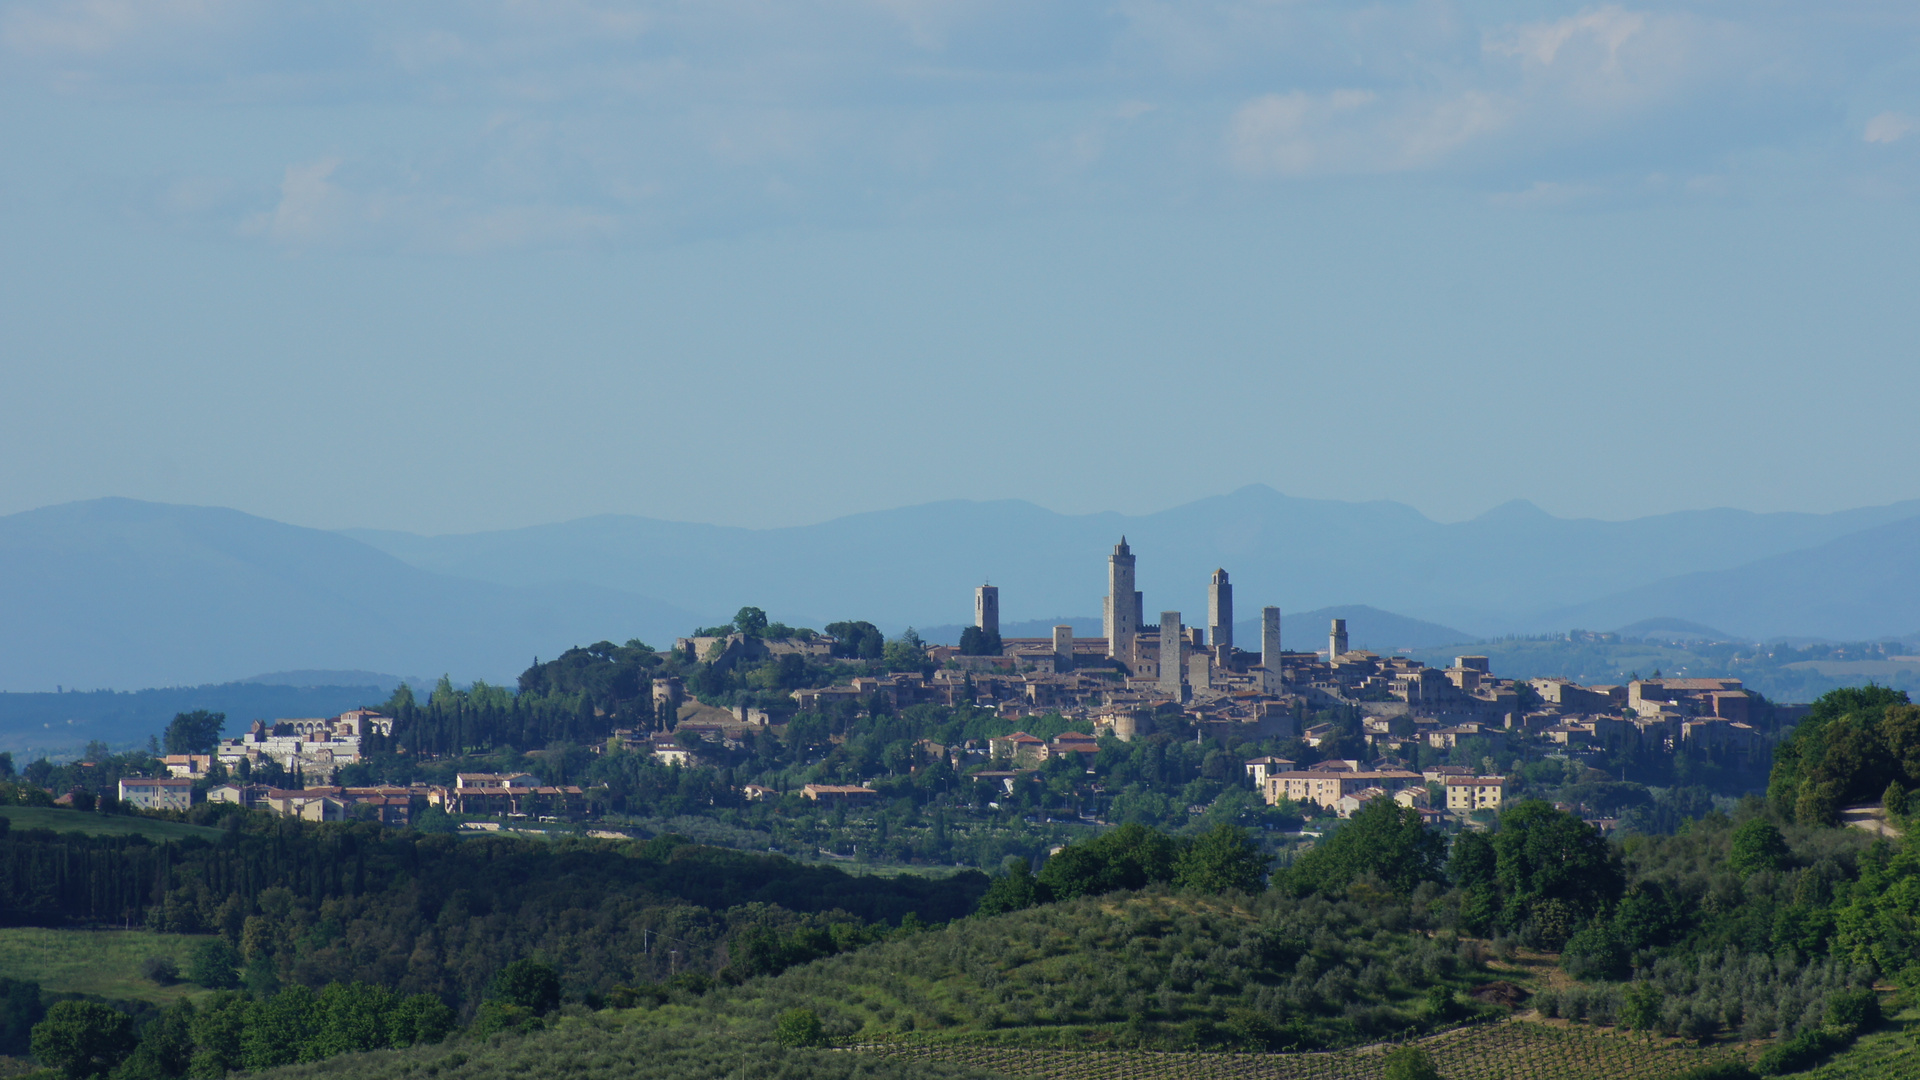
(1594, 953)
(1799, 1052)
(1854, 1011)
(160, 969)
(1757, 845)
(800, 1027)
(1410, 1063)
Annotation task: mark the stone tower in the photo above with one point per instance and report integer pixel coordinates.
(1172, 660)
(1337, 640)
(986, 608)
(1122, 605)
(1270, 639)
(1220, 616)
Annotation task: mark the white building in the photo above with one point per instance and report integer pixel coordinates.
(161, 793)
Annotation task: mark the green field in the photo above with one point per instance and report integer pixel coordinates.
(60, 820)
(103, 962)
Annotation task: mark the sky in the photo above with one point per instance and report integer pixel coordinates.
(447, 267)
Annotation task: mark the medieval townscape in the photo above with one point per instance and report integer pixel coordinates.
(1413, 719)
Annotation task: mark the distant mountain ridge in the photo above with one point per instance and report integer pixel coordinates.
(116, 592)
(1513, 569)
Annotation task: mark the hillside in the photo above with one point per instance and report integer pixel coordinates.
(122, 593)
(1857, 587)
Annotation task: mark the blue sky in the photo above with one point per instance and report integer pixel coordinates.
(444, 267)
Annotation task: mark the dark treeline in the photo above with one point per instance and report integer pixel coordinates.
(312, 904)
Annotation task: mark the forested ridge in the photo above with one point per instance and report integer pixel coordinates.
(313, 904)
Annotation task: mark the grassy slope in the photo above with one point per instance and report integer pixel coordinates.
(103, 962)
(1892, 1053)
(1149, 968)
(63, 820)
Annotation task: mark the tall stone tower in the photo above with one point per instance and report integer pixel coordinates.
(1337, 640)
(1122, 606)
(1220, 616)
(1270, 639)
(1172, 659)
(986, 608)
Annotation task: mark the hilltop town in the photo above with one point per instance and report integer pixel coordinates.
(1321, 732)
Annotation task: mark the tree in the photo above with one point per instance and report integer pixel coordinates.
(351, 1018)
(279, 1030)
(800, 1027)
(1640, 1009)
(1894, 799)
(215, 965)
(419, 1020)
(1382, 838)
(1224, 858)
(750, 621)
(856, 640)
(83, 1039)
(1757, 846)
(906, 652)
(1553, 868)
(1852, 743)
(529, 984)
(1129, 857)
(217, 1029)
(194, 732)
(1015, 890)
(165, 1047)
(977, 642)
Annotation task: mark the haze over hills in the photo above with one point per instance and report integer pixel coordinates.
(122, 593)
(1863, 586)
(118, 593)
(1512, 569)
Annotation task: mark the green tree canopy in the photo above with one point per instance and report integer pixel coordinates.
(1757, 845)
(1382, 838)
(856, 640)
(750, 621)
(1553, 869)
(1221, 859)
(215, 965)
(1129, 857)
(83, 1039)
(800, 1027)
(1852, 744)
(1014, 890)
(194, 732)
(977, 642)
(529, 984)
